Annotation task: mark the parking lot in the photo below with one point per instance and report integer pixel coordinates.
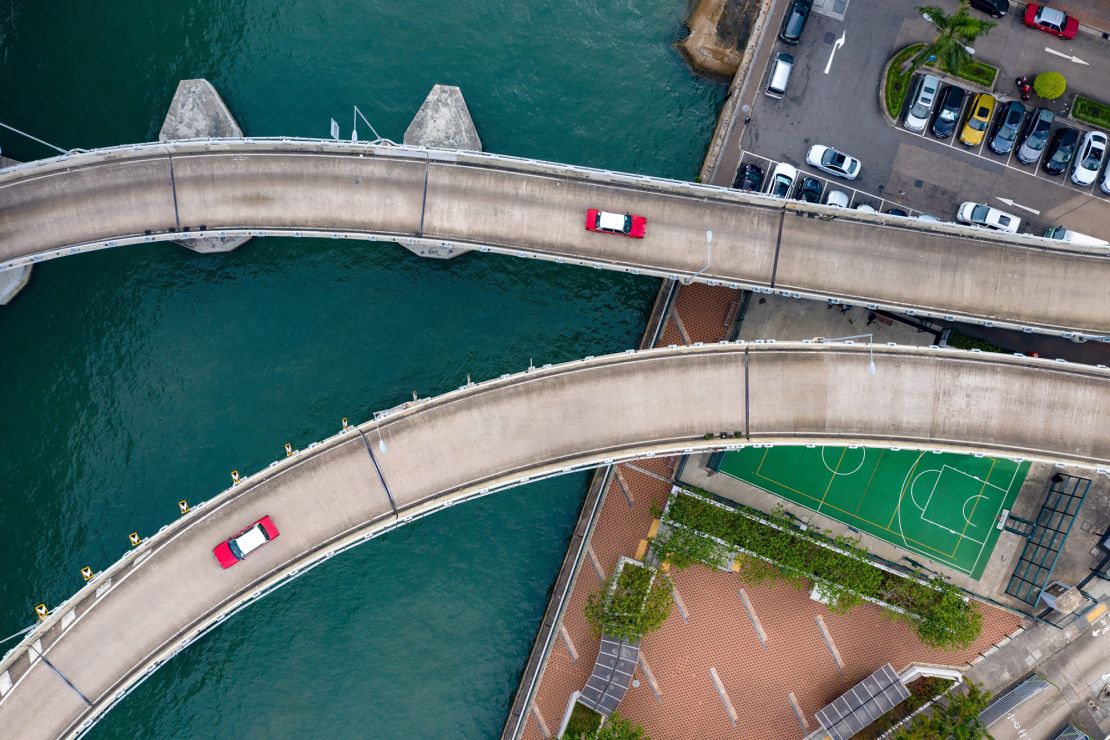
(834, 99)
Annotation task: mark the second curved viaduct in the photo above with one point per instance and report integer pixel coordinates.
(435, 198)
(436, 452)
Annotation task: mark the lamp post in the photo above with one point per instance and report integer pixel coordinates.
(708, 256)
(871, 369)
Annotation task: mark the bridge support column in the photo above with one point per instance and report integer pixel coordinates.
(443, 122)
(198, 112)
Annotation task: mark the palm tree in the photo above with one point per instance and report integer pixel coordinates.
(954, 33)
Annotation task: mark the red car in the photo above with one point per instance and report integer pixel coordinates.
(615, 223)
(1051, 20)
(243, 544)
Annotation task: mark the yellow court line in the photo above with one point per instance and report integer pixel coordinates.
(762, 460)
(832, 478)
(873, 471)
(967, 522)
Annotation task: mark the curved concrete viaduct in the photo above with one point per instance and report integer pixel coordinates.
(437, 452)
(437, 199)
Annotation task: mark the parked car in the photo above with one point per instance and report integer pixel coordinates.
(837, 198)
(834, 162)
(951, 102)
(978, 214)
(779, 77)
(1051, 21)
(795, 21)
(1092, 154)
(1074, 237)
(782, 180)
(231, 551)
(866, 208)
(809, 191)
(995, 8)
(624, 224)
(1009, 125)
(1061, 151)
(1104, 186)
(927, 217)
(1036, 135)
(981, 110)
(922, 98)
(750, 177)
(897, 212)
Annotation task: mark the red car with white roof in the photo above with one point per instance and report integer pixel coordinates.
(624, 224)
(1051, 20)
(231, 551)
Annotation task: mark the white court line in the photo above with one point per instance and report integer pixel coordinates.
(853, 471)
(1001, 501)
(974, 477)
(963, 509)
(931, 491)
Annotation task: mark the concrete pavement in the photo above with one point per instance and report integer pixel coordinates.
(526, 208)
(144, 609)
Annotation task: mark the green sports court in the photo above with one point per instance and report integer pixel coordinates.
(943, 506)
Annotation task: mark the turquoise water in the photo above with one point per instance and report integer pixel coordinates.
(135, 377)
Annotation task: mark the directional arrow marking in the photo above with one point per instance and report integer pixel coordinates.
(1012, 204)
(836, 45)
(1069, 57)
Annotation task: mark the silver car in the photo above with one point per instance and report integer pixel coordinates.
(922, 100)
(1036, 136)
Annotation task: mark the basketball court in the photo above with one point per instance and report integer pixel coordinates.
(943, 506)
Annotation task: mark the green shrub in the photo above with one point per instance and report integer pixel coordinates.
(633, 607)
(898, 80)
(938, 611)
(583, 722)
(1050, 85)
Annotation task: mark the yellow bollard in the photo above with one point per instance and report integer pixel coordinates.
(288, 449)
(87, 573)
(134, 539)
(183, 506)
(344, 423)
(234, 477)
(41, 611)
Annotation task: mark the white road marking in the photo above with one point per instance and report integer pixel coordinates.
(1012, 204)
(836, 45)
(1069, 57)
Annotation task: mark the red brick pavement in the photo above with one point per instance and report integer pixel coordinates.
(718, 632)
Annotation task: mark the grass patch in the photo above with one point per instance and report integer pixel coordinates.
(583, 721)
(978, 73)
(1091, 111)
(937, 611)
(897, 81)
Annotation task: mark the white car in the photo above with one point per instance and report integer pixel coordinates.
(837, 198)
(866, 208)
(782, 180)
(834, 162)
(978, 214)
(922, 99)
(1088, 161)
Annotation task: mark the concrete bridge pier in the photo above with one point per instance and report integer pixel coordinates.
(443, 122)
(198, 112)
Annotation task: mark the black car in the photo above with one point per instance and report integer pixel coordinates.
(1061, 150)
(994, 8)
(1008, 128)
(896, 212)
(809, 191)
(750, 177)
(795, 21)
(951, 103)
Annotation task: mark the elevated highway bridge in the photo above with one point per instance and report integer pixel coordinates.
(432, 200)
(433, 453)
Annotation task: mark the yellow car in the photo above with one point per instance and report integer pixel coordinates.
(982, 108)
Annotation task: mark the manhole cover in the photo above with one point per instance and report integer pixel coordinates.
(830, 37)
(919, 183)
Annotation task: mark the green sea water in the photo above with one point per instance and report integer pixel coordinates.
(134, 377)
